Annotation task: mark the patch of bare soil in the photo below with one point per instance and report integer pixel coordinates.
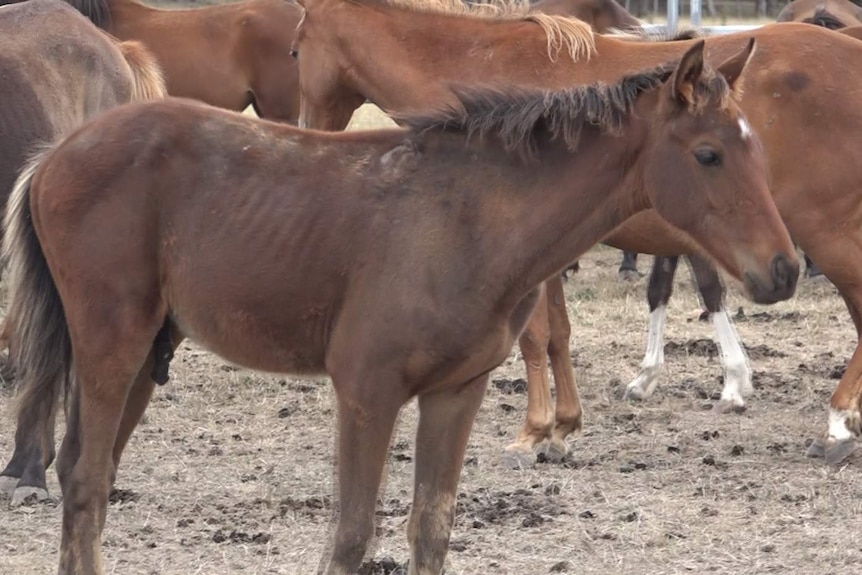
(232, 471)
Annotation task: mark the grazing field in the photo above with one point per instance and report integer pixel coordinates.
(232, 471)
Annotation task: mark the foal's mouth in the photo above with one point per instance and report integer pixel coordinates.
(781, 285)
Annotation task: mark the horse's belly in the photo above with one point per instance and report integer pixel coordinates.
(260, 339)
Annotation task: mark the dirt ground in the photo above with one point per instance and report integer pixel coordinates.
(231, 471)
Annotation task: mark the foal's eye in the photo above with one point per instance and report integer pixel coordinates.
(707, 157)
(294, 54)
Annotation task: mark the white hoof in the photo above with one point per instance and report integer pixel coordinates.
(644, 384)
(28, 495)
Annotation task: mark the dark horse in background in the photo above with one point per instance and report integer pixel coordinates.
(832, 14)
(58, 71)
(602, 15)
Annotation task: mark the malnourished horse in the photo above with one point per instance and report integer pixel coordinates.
(229, 55)
(57, 70)
(388, 259)
(415, 67)
(602, 15)
(832, 14)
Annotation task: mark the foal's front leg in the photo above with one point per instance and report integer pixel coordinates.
(367, 412)
(445, 420)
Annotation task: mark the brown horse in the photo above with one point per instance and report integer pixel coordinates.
(416, 66)
(58, 71)
(230, 55)
(602, 15)
(832, 14)
(110, 238)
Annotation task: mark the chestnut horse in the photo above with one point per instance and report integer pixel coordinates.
(424, 300)
(832, 14)
(58, 71)
(602, 15)
(793, 78)
(229, 55)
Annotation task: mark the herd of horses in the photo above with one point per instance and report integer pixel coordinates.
(404, 263)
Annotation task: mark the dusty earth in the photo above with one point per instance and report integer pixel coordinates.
(231, 471)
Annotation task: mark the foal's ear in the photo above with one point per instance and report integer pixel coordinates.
(733, 67)
(687, 74)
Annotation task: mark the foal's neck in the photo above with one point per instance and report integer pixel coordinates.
(568, 202)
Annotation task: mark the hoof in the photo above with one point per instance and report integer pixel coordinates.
(28, 495)
(634, 394)
(628, 275)
(728, 406)
(816, 449)
(517, 459)
(555, 451)
(7, 485)
(839, 451)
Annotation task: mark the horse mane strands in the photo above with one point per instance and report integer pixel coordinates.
(575, 35)
(509, 9)
(515, 116)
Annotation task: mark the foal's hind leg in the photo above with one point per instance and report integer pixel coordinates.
(108, 361)
(445, 420)
(737, 375)
(534, 342)
(658, 294)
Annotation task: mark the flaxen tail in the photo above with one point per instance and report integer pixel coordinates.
(147, 77)
(41, 348)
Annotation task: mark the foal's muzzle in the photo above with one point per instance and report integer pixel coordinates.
(784, 272)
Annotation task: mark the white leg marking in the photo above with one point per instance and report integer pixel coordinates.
(737, 375)
(838, 428)
(645, 383)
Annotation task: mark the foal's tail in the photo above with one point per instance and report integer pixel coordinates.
(42, 349)
(149, 83)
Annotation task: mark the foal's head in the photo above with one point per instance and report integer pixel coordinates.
(705, 172)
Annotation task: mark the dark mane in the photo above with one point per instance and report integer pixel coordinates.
(517, 116)
(822, 17)
(97, 11)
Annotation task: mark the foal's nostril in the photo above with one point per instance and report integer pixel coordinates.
(784, 272)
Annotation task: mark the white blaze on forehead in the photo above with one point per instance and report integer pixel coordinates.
(744, 128)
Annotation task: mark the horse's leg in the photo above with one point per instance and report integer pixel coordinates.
(366, 417)
(23, 479)
(106, 371)
(737, 375)
(845, 422)
(629, 267)
(569, 415)
(658, 294)
(140, 394)
(445, 421)
(812, 271)
(534, 342)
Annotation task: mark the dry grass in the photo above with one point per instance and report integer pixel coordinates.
(231, 471)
